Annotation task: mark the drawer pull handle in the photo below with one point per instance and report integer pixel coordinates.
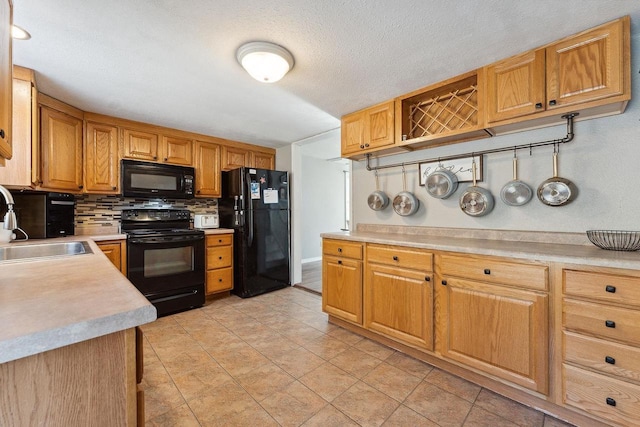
(444, 283)
(427, 278)
(219, 280)
(395, 258)
(340, 262)
(487, 271)
(340, 250)
(611, 289)
(219, 257)
(609, 323)
(610, 360)
(611, 401)
(219, 240)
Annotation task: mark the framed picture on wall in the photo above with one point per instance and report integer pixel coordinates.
(462, 167)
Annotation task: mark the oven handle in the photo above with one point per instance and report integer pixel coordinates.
(168, 240)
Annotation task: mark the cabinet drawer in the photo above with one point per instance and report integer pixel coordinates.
(604, 287)
(342, 248)
(401, 257)
(534, 276)
(219, 240)
(620, 324)
(220, 279)
(219, 257)
(605, 356)
(596, 394)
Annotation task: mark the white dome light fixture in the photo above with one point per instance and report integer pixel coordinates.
(265, 62)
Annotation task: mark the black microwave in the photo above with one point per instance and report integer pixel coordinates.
(156, 180)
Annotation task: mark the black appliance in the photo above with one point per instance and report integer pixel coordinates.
(165, 259)
(255, 203)
(42, 215)
(156, 180)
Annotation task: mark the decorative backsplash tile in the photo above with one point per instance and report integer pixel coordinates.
(100, 210)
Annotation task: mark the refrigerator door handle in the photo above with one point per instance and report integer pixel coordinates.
(249, 208)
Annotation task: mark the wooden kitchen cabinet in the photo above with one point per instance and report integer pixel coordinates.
(116, 251)
(601, 343)
(496, 327)
(219, 276)
(23, 170)
(89, 383)
(177, 151)
(585, 68)
(263, 160)
(61, 146)
(139, 145)
(235, 157)
(398, 294)
(342, 279)
(368, 129)
(208, 169)
(6, 64)
(101, 160)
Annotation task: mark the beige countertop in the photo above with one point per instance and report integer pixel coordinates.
(208, 231)
(49, 303)
(540, 251)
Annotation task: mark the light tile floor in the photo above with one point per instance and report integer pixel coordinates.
(273, 360)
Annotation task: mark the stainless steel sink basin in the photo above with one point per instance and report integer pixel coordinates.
(44, 250)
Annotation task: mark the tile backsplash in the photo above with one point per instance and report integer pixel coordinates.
(100, 210)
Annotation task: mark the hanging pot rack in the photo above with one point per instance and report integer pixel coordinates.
(569, 117)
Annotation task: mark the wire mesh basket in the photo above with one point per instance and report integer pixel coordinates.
(614, 240)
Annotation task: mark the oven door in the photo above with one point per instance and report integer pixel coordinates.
(160, 266)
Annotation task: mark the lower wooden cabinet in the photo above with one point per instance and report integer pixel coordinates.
(116, 251)
(219, 275)
(398, 302)
(342, 279)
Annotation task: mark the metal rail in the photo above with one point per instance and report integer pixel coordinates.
(569, 117)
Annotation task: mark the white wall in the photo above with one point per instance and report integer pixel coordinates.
(603, 161)
(322, 203)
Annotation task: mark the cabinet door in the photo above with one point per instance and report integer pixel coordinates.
(399, 303)
(342, 288)
(352, 133)
(516, 86)
(219, 280)
(139, 145)
(5, 79)
(499, 330)
(586, 67)
(113, 251)
(177, 151)
(263, 160)
(101, 164)
(207, 169)
(235, 157)
(61, 140)
(379, 125)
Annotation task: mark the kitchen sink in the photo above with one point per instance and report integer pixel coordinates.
(44, 250)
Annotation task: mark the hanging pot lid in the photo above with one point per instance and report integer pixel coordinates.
(377, 200)
(405, 203)
(476, 201)
(516, 192)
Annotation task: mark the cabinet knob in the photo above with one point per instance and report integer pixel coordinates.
(395, 258)
(611, 401)
(366, 145)
(2, 134)
(611, 289)
(610, 360)
(219, 257)
(165, 159)
(340, 261)
(114, 188)
(219, 280)
(219, 240)
(539, 105)
(552, 102)
(609, 323)
(487, 271)
(427, 278)
(340, 250)
(361, 146)
(81, 186)
(198, 191)
(155, 157)
(444, 283)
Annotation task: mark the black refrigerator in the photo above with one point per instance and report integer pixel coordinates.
(255, 203)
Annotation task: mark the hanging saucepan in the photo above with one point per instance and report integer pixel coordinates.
(377, 200)
(476, 201)
(516, 192)
(557, 191)
(441, 183)
(405, 203)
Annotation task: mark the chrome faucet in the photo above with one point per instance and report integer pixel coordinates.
(10, 221)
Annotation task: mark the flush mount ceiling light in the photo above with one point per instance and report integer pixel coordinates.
(265, 62)
(19, 33)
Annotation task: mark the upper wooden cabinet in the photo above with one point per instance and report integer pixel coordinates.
(235, 157)
(61, 145)
(178, 151)
(207, 169)
(6, 14)
(368, 129)
(101, 165)
(581, 71)
(263, 160)
(139, 145)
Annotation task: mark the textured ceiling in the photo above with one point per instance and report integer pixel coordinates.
(172, 62)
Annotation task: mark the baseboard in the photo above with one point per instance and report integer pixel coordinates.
(308, 260)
